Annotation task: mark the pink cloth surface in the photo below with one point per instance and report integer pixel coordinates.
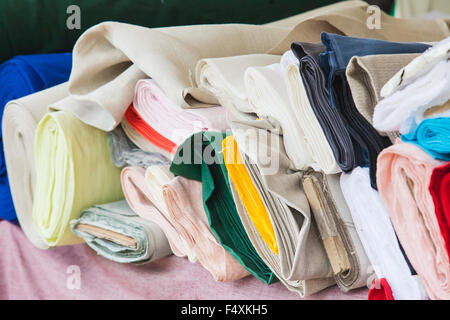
(29, 273)
(414, 217)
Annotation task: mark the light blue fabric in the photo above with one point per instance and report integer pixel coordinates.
(19, 77)
(433, 136)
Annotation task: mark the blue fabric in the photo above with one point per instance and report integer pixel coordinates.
(433, 136)
(19, 77)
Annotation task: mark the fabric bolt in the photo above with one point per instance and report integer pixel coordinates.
(301, 264)
(74, 171)
(334, 61)
(248, 193)
(115, 232)
(19, 123)
(147, 201)
(183, 198)
(433, 136)
(268, 96)
(330, 121)
(125, 152)
(200, 158)
(404, 172)
(21, 76)
(417, 68)
(439, 190)
(380, 290)
(345, 252)
(366, 76)
(405, 108)
(378, 237)
(172, 124)
(224, 78)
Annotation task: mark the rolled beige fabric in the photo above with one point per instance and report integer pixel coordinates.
(301, 264)
(20, 120)
(348, 259)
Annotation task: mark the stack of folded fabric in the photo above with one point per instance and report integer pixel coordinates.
(247, 149)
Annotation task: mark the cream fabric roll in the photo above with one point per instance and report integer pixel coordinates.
(268, 96)
(224, 78)
(20, 120)
(344, 249)
(418, 67)
(74, 171)
(147, 201)
(378, 237)
(301, 264)
(183, 198)
(320, 149)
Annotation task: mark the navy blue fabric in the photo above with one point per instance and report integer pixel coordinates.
(19, 77)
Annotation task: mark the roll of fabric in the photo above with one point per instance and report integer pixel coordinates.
(115, 232)
(439, 190)
(125, 152)
(183, 198)
(248, 193)
(200, 158)
(341, 241)
(301, 264)
(334, 61)
(21, 76)
(433, 136)
(405, 108)
(366, 76)
(147, 201)
(380, 290)
(404, 172)
(170, 125)
(331, 122)
(224, 78)
(19, 123)
(268, 96)
(74, 171)
(378, 237)
(417, 68)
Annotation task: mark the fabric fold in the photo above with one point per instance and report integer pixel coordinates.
(74, 171)
(404, 172)
(183, 198)
(200, 158)
(378, 237)
(115, 232)
(19, 77)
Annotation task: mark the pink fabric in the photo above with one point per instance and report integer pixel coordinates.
(169, 119)
(183, 198)
(29, 273)
(141, 201)
(414, 218)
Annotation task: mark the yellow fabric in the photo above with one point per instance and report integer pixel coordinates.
(248, 192)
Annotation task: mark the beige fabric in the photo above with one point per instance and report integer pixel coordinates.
(415, 8)
(301, 264)
(19, 123)
(367, 75)
(344, 249)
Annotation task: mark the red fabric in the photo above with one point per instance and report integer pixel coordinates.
(440, 192)
(380, 290)
(138, 124)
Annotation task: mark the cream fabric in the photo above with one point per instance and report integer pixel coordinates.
(301, 263)
(20, 120)
(415, 8)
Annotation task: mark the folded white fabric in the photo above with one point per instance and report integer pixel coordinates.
(377, 235)
(404, 109)
(268, 97)
(304, 115)
(20, 120)
(224, 78)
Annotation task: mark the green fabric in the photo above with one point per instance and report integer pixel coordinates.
(74, 172)
(217, 198)
(39, 26)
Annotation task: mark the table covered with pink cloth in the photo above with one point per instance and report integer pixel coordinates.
(29, 273)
